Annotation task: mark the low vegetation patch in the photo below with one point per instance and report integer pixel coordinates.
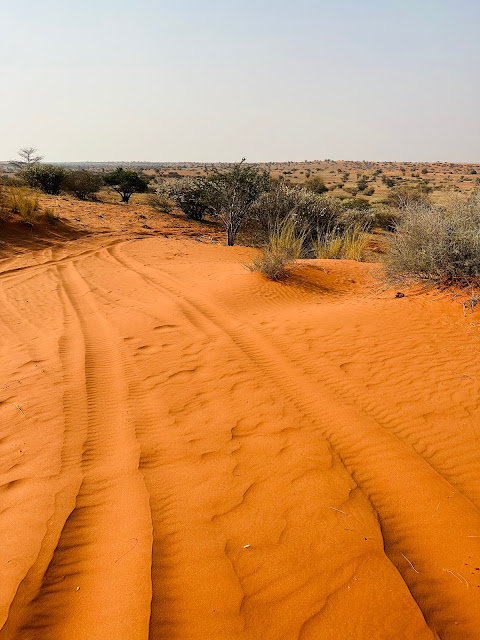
(274, 264)
(440, 244)
(22, 202)
(340, 243)
(83, 184)
(46, 177)
(285, 246)
(193, 196)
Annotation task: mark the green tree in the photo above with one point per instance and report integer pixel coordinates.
(234, 194)
(125, 183)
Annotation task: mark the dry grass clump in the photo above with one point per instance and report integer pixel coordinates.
(274, 264)
(50, 216)
(285, 246)
(339, 243)
(4, 205)
(437, 244)
(288, 237)
(22, 202)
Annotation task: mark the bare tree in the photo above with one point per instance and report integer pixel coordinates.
(27, 157)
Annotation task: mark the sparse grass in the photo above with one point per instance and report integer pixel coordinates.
(274, 264)
(50, 216)
(343, 244)
(160, 202)
(285, 246)
(287, 237)
(4, 205)
(23, 203)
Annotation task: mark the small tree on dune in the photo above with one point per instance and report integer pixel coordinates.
(234, 193)
(126, 183)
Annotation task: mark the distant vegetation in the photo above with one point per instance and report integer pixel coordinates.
(292, 211)
(192, 195)
(48, 178)
(316, 184)
(82, 183)
(125, 183)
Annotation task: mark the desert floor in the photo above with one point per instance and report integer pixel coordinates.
(189, 451)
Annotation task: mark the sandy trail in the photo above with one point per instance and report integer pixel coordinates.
(189, 451)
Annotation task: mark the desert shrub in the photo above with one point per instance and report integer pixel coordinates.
(362, 184)
(160, 202)
(46, 177)
(356, 203)
(125, 183)
(342, 243)
(194, 196)
(362, 218)
(82, 183)
(385, 217)
(316, 184)
(274, 206)
(437, 244)
(369, 191)
(233, 194)
(408, 195)
(388, 181)
(316, 213)
(368, 216)
(312, 212)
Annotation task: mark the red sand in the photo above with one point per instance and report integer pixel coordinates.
(189, 451)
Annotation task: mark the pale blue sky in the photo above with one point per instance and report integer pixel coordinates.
(219, 80)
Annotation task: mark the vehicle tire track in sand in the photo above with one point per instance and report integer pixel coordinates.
(433, 568)
(105, 546)
(71, 352)
(165, 608)
(163, 508)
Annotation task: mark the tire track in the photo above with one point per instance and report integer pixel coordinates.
(429, 566)
(105, 545)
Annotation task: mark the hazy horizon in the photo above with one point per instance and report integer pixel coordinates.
(211, 82)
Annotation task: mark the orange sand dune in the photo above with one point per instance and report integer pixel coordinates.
(188, 451)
